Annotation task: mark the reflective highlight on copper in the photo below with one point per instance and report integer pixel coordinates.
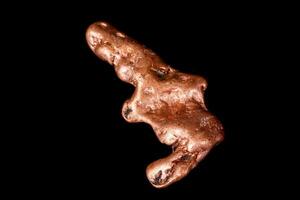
(170, 101)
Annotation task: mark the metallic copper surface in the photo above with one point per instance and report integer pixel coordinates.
(170, 101)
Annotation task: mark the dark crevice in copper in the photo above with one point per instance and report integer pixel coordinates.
(127, 112)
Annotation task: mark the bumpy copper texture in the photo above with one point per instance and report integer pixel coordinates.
(170, 101)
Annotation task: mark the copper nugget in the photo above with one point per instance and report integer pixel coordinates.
(170, 101)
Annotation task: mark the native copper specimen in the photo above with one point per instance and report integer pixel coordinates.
(170, 101)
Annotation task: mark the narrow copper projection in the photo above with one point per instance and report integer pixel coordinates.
(170, 101)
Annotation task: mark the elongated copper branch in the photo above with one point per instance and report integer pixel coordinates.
(170, 101)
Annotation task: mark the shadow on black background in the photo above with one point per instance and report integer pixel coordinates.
(97, 153)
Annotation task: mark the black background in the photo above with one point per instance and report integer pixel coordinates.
(84, 147)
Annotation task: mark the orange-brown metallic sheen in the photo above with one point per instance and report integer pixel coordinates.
(170, 101)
